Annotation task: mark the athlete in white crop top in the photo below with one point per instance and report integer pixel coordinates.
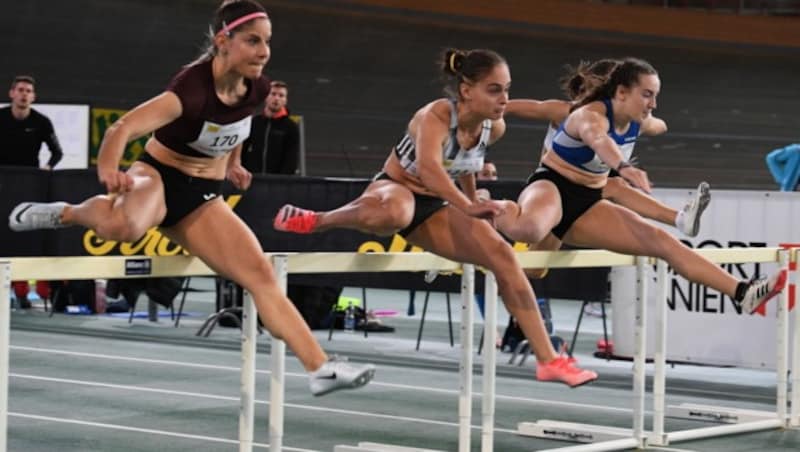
(564, 199)
(415, 194)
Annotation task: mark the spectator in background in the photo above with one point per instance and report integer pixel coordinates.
(487, 172)
(23, 129)
(274, 148)
(784, 164)
(274, 143)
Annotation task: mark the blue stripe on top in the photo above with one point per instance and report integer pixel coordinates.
(577, 153)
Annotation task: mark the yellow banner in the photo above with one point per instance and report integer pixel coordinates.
(102, 118)
(154, 243)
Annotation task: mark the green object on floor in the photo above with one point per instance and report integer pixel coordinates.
(344, 302)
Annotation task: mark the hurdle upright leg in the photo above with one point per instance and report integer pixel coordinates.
(5, 342)
(465, 367)
(489, 359)
(658, 437)
(277, 377)
(248, 379)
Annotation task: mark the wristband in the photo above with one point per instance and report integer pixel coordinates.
(623, 164)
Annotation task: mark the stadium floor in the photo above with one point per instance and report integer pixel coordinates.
(98, 383)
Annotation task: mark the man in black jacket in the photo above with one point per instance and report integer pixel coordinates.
(23, 129)
(273, 146)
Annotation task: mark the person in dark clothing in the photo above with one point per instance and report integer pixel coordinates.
(23, 129)
(274, 143)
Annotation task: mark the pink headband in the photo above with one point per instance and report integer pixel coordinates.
(226, 28)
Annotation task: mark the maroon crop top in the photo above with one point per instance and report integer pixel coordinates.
(207, 127)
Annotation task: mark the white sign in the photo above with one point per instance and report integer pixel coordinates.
(703, 325)
(71, 123)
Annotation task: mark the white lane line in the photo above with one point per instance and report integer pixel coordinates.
(543, 402)
(145, 430)
(669, 449)
(237, 400)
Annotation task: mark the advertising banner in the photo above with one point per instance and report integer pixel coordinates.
(704, 325)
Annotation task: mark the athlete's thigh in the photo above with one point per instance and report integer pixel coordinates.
(454, 235)
(390, 191)
(549, 243)
(541, 201)
(612, 227)
(215, 234)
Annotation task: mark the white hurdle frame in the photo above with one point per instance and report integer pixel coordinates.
(639, 438)
(114, 267)
(794, 419)
(749, 421)
(5, 342)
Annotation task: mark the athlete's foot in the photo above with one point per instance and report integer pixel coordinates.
(337, 373)
(761, 291)
(430, 276)
(294, 219)
(30, 216)
(564, 370)
(689, 224)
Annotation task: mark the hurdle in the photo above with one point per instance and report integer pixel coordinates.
(603, 438)
(127, 267)
(376, 262)
(113, 267)
(794, 420)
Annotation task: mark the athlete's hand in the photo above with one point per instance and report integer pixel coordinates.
(638, 178)
(115, 181)
(239, 177)
(484, 209)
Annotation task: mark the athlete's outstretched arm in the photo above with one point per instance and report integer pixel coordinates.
(432, 131)
(592, 129)
(552, 110)
(653, 126)
(145, 118)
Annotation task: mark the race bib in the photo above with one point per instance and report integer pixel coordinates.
(218, 139)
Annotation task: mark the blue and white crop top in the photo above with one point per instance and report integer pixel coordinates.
(456, 161)
(574, 152)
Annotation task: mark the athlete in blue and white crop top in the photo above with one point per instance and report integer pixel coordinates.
(456, 160)
(576, 153)
(578, 162)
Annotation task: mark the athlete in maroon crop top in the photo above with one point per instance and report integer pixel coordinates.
(207, 126)
(200, 123)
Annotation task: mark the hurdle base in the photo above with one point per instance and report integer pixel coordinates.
(572, 432)
(378, 447)
(716, 414)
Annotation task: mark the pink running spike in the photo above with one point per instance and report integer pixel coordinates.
(295, 219)
(761, 309)
(563, 370)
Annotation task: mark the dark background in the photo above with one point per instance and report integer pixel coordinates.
(357, 74)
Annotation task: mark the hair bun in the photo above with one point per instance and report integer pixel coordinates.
(455, 61)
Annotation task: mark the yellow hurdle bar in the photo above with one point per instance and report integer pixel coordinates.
(104, 267)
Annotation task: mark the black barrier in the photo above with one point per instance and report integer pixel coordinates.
(257, 207)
